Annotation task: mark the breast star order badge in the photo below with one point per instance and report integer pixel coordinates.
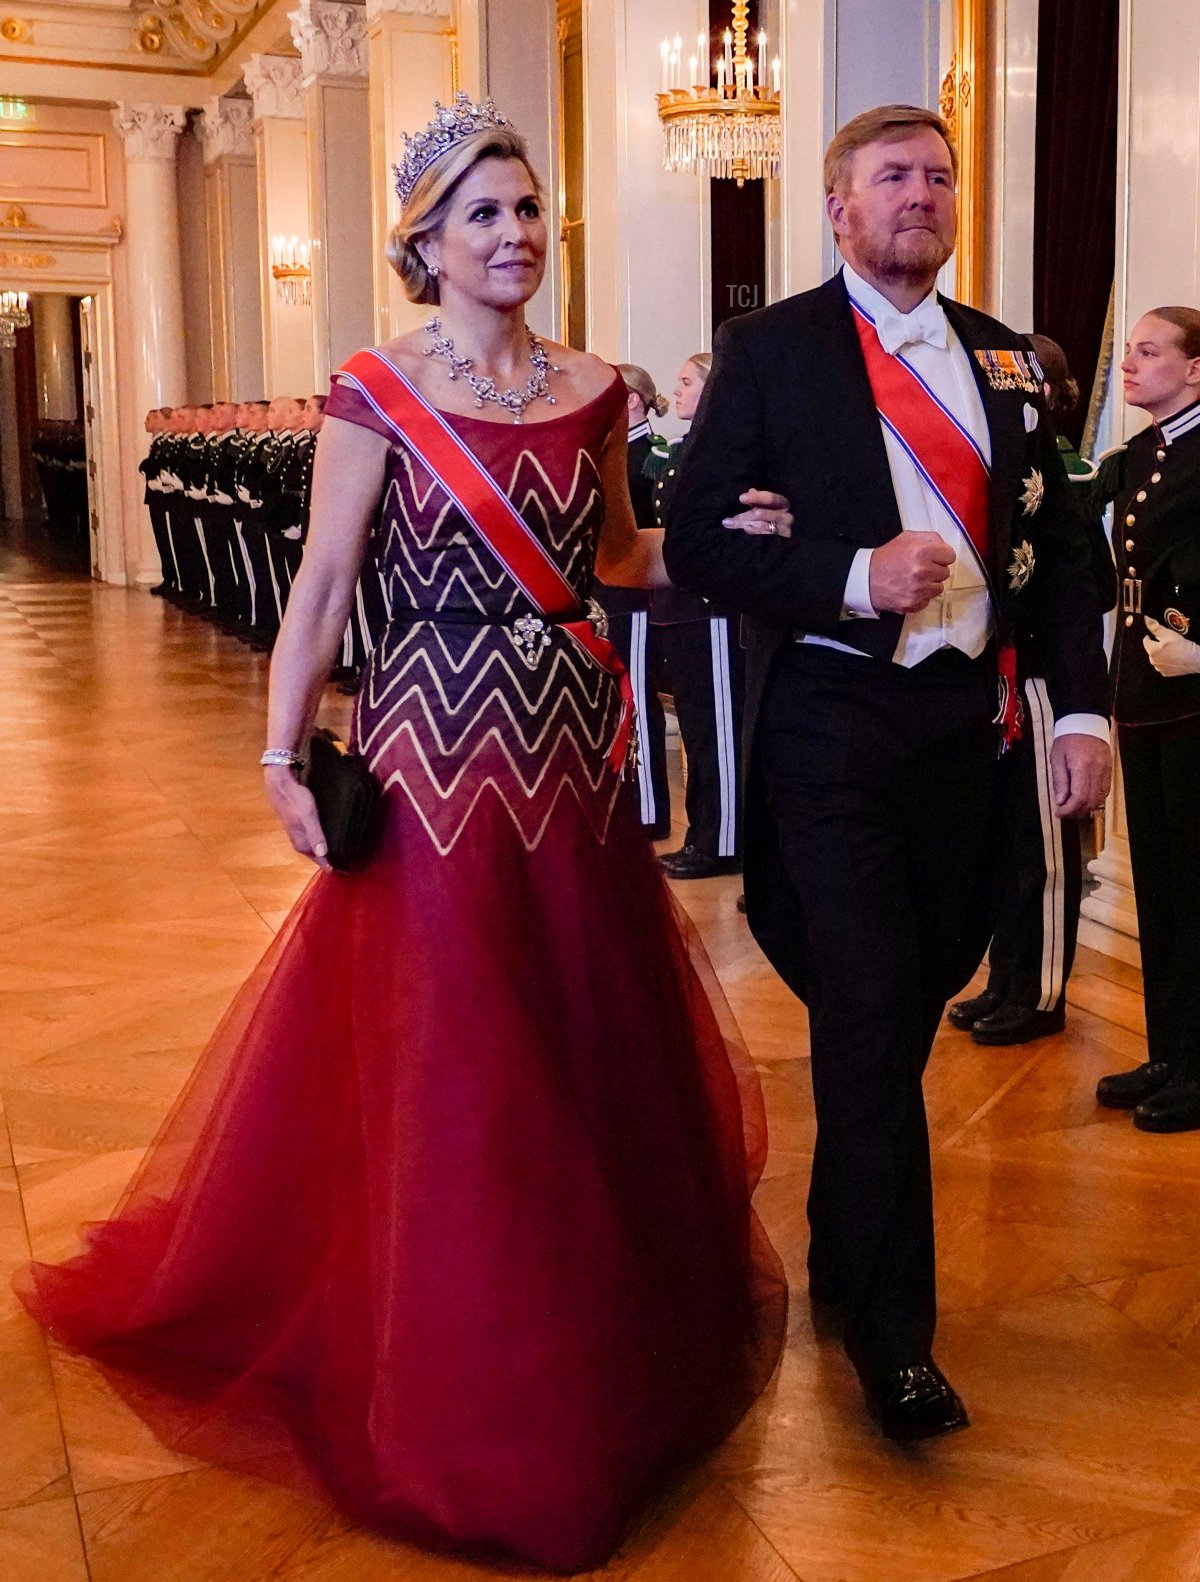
(1032, 492)
(1021, 569)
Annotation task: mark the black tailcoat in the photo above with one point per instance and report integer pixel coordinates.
(788, 406)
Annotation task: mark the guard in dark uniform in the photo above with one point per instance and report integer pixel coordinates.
(248, 485)
(224, 557)
(152, 467)
(1033, 948)
(1156, 703)
(628, 612)
(705, 672)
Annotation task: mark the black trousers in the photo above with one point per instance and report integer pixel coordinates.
(190, 550)
(1033, 948)
(1160, 766)
(884, 788)
(638, 644)
(706, 672)
(160, 523)
(224, 556)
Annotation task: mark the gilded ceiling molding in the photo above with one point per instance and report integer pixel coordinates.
(331, 38)
(273, 83)
(378, 8)
(226, 128)
(199, 30)
(149, 131)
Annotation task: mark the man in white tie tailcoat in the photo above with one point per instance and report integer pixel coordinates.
(913, 558)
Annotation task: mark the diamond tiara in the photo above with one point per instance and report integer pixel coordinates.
(450, 125)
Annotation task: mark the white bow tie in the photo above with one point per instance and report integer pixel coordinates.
(926, 323)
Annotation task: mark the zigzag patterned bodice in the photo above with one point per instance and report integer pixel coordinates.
(462, 719)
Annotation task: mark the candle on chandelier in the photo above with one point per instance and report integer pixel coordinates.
(775, 74)
(703, 57)
(664, 57)
(720, 76)
(729, 58)
(693, 78)
(762, 57)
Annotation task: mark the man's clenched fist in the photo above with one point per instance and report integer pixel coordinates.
(909, 572)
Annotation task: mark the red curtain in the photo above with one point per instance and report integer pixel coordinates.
(1075, 191)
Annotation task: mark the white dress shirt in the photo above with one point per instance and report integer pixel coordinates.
(962, 616)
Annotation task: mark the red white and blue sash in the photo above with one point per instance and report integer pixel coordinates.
(485, 506)
(941, 449)
(952, 466)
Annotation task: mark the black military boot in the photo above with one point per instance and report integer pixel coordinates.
(1125, 1090)
(1176, 1106)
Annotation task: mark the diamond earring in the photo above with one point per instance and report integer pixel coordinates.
(432, 269)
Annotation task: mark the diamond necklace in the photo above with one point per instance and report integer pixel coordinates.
(514, 401)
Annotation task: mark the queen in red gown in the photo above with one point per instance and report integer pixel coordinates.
(455, 1212)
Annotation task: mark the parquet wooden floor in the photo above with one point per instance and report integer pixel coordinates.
(142, 877)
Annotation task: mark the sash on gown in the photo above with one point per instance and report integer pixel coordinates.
(489, 511)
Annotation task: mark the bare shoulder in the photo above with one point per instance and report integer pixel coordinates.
(583, 373)
(406, 351)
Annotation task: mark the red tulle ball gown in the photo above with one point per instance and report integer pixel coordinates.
(455, 1210)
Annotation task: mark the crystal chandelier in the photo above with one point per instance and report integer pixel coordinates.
(722, 121)
(289, 267)
(14, 315)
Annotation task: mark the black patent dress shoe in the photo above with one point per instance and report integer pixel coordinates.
(1013, 1024)
(965, 1013)
(159, 590)
(917, 1402)
(1174, 1108)
(688, 863)
(1125, 1090)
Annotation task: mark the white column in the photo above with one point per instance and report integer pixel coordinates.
(410, 64)
(154, 311)
(807, 115)
(332, 40)
(54, 358)
(273, 82)
(231, 190)
(646, 230)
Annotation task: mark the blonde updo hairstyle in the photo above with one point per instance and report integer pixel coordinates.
(702, 362)
(429, 203)
(643, 386)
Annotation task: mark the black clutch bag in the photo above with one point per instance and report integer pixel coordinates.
(348, 799)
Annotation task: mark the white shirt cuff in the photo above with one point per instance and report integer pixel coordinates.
(856, 601)
(1082, 725)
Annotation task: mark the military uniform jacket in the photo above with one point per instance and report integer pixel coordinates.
(643, 444)
(1156, 535)
(674, 605)
(788, 406)
(151, 465)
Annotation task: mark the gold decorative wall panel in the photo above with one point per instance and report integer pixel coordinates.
(65, 169)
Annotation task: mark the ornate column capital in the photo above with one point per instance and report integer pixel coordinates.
(273, 83)
(226, 126)
(331, 37)
(149, 131)
(381, 8)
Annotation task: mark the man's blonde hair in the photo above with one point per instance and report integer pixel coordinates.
(887, 123)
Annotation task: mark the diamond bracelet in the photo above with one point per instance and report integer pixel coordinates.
(282, 758)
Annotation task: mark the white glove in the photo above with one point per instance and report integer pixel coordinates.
(1170, 652)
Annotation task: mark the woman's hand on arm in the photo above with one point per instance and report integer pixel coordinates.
(348, 477)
